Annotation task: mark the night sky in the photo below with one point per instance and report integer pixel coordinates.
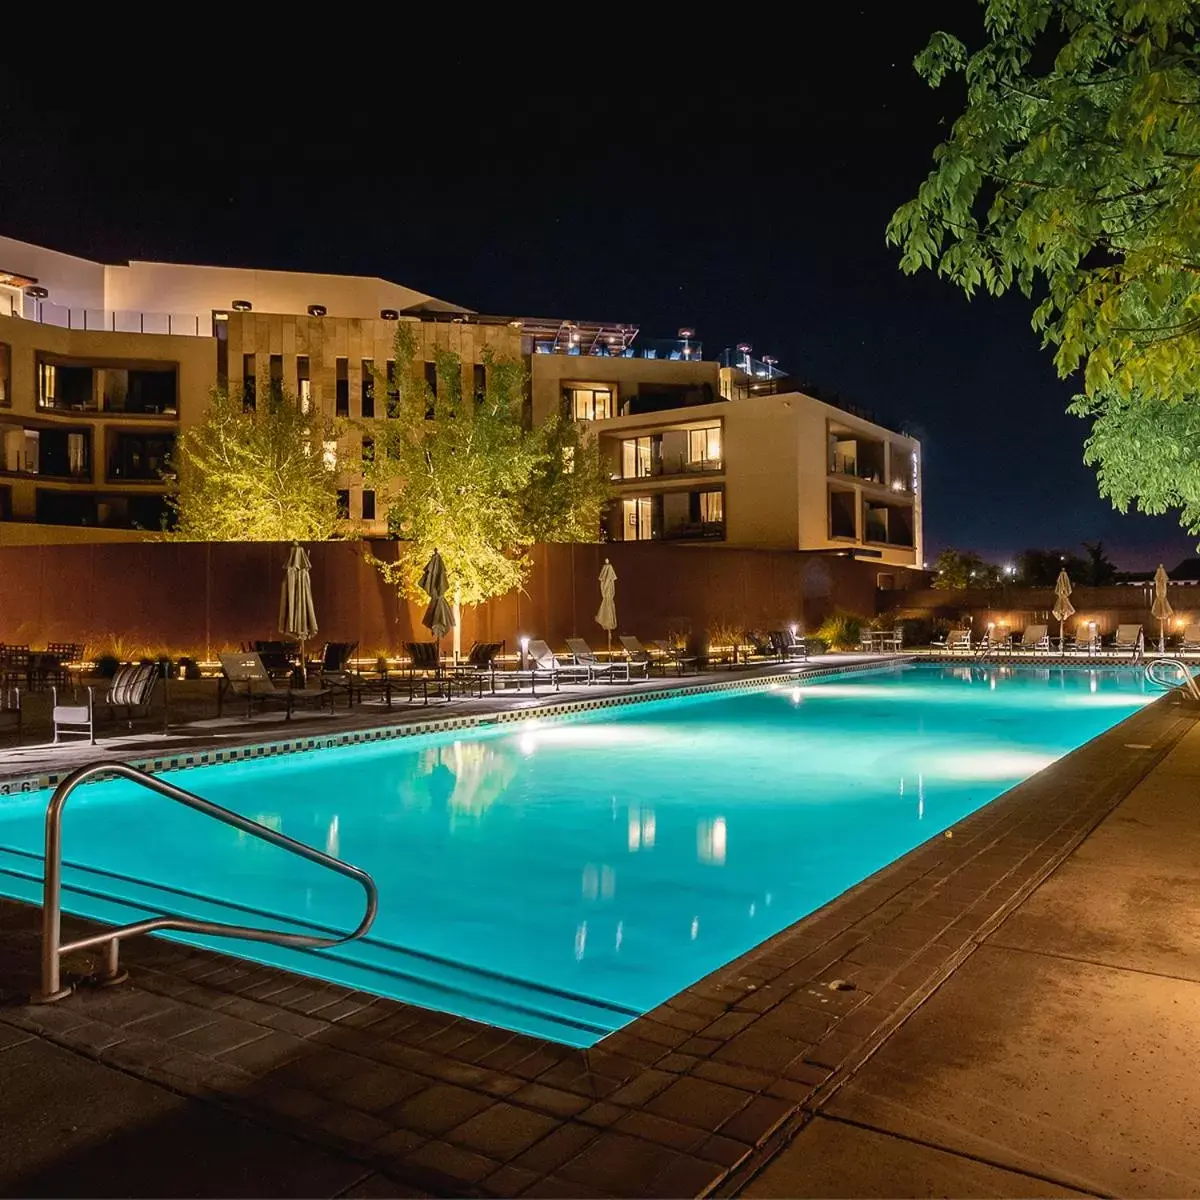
(735, 186)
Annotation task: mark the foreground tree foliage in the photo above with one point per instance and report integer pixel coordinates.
(1073, 175)
(258, 474)
(460, 474)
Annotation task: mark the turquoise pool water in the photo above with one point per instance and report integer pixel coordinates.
(560, 879)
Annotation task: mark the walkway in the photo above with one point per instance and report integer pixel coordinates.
(1063, 1055)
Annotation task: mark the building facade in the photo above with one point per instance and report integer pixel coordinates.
(103, 366)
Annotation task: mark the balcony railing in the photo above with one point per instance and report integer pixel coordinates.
(675, 466)
(694, 531)
(116, 320)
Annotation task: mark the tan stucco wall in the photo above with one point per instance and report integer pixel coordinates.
(549, 372)
(776, 476)
(168, 287)
(73, 282)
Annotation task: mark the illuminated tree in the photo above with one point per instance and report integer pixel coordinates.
(954, 570)
(257, 474)
(1073, 175)
(461, 474)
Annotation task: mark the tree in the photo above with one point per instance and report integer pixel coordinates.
(958, 569)
(1073, 175)
(461, 475)
(1099, 569)
(254, 474)
(1040, 568)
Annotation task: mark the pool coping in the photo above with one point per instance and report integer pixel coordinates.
(239, 751)
(692, 1097)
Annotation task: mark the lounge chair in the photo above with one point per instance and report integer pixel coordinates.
(1035, 637)
(245, 675)
(638, 656)
(279, 658)
(10, 709)
(1190, 644)
(584, 656)
(787, 645)
(955, 640)
(1129, 640)
(130, 691)
(554, 667)
(759, 645)
(994, 641)
(1086, 641)
(477, 668)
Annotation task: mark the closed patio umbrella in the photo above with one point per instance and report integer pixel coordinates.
(297, 616)
(606, 617)
(1063, 607)
(1161, 608)
(438, 618)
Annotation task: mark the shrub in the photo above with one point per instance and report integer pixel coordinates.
(841, 631)
(107, 665)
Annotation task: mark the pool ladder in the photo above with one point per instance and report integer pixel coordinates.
(53, 947)
(1178, 665)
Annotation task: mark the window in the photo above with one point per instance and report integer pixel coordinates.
(343, 504)
(368, 505)
(221, 328)
(368, 449)
(712, 507)
(704, 447)
(479, 383)
(5, 374)
(249, 398)
(303, 383)
(431, 382)
(329, 455)
(636, 458)
(47, 385)
(393, 392)
(342, 388)
(638, 519)
(368, 388)
(276, 376)
(587, 403)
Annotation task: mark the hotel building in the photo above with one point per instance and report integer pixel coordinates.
(102, 366)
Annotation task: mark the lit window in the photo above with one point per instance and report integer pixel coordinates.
(704, 447)
(303, 383)
(329, 455)
(636, 458)
(587, 404)
(712, 506)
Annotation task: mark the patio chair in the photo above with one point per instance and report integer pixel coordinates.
(279, 658)
(994, 641)
(55, 662)
(245, 675)
(130, 691)
(1129, 640)
(16, 665)
(760, 646)
(638, 656)
(584, 656)
(1035, 637)
(335, 671)
(1190, 643)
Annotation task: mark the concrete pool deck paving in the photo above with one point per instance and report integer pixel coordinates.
(1022, 1022)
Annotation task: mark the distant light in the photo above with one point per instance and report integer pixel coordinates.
(794, 628)
(686, 333)
(1010, 570)
(388, 314)
(241, 306)
(316, 310)
(37, 292)
(744, 347)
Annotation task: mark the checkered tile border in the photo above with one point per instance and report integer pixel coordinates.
(355, 737)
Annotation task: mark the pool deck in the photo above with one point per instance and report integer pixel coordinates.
(1010, 1010)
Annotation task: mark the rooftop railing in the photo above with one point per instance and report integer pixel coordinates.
(115, 320)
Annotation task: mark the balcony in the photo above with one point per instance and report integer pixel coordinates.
(139, 458)
(52, 454)
(668, 517)
(74, 387)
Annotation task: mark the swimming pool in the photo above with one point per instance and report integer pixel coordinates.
(561, 878)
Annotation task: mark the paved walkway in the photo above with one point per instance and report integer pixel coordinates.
(1063, 1056)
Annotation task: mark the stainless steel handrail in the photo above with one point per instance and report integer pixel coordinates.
(1181, 667)
(52, 945)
